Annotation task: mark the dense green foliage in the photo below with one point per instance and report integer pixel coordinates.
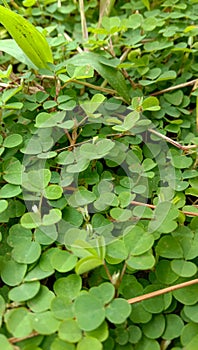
(99, 180)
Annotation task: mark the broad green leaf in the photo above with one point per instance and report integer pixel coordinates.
(129, 122)
(183, 268)
(154, 328)
(63, 261)
(46, 235)
(12, 273)
(149, 23)
(49, 104)
(165, 214)
(18, 234)
(81, 247)
(14, 105)
(106, 200)
(98, 150)
(111, 74)
(46, 120)
(105, 292)
(111, 24)
(191, 312)
(36, 180)
(153, 73)
(189, 336)
(5, 343)
(9, 191)
(117, 250)
(167, 76)
(3, 205)
(37, 273)
(88, 263)
(181, 161)
(165, 274)
(68, 124)
(31, 220)
(187, 295)
(68, 287)
(159, 303)
(135, 334)
(52, 218)
(81, 165)
(89, 311)
(89, 343)
(143, 212)
(65, 157)
(148, 344)
(169, 247)
(29, 39)
(118, 311)
(138, 241)
(175, 98)
(45, 323)
(26, 252)
(73, 216)
(192, 345)
(151, 104)
(13, 171)
(42, 301)
(18, 322)
(9, 93)
(59, 344)
(148, 164)
(45, 260)
(101, 333)
(25, 291)
(47, 155)
(125, 199)
(139, 314)
(29, 3)
(81, 197)
(70, 331)
(120, 214)
(174, 326)
(141, 262)
(12, 141)
(104, 146)
(135, 21)
(32, 146)
(91, 106)
(53, 192)
(83, 72)
(62, 308)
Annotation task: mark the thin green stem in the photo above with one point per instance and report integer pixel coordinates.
(91, 86)
(6, 4)
(107, 272)
(83, 20)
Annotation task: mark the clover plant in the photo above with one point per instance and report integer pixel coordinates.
(98, 176)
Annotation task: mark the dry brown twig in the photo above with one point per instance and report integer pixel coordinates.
(175, 87)
(162, 291)
(174, 143)
(154, 206)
